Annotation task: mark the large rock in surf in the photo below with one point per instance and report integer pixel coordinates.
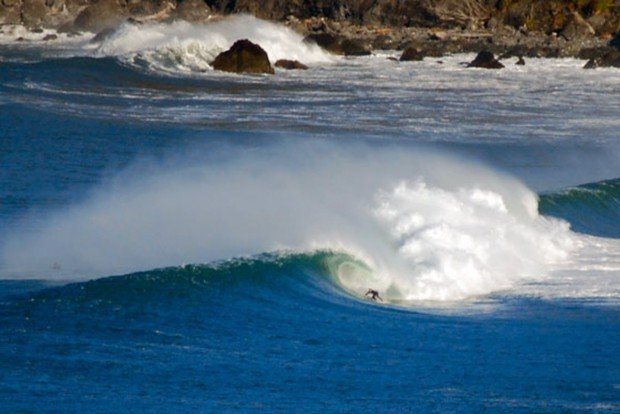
(290, 64)
(243, 57)
(486, 60)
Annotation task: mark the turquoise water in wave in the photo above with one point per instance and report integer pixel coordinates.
(183, 241)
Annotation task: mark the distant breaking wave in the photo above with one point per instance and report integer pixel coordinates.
(184, 47)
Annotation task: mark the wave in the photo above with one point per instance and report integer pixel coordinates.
(190, 48)
(590, 208)
(425, 226)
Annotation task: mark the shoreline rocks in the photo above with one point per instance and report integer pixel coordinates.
(290, 64)
(530, 28)
(485, 60)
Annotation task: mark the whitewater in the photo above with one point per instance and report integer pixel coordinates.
(173, 238)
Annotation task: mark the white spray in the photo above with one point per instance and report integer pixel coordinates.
(187, 47)
(428, 226)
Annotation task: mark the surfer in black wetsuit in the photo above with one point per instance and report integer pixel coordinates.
(374, 295)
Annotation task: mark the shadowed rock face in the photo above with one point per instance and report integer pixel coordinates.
(485, 60)
(610, 60)
(412, 53)
(327, 41)
(243, 57)
(100, 15)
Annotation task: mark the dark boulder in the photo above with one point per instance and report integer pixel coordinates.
(49, 37)
(520, 61)
(99, 15)
(290, 64)
(327, 41)
(486, 60)
(609, 60)
(412, 53)
(243, 57)
(354, 47)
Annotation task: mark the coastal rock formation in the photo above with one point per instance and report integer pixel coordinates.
(243, 57)
(192, 11)
(100, 15)
(290, 64)
(327, 41)
(542, 28)
(354, 47)
(411, 53)
(609, 60)
(486, 60)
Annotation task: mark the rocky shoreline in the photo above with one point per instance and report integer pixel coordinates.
(529, 28)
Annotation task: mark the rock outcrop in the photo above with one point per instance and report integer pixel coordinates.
(412, 53)
(290, 64)
(243, 57)
(609, 60)
(486, 60)
(100, 15)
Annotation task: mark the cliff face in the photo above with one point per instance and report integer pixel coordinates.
(569, 18)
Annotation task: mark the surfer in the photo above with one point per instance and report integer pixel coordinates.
(374, 295)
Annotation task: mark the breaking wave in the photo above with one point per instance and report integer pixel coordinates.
(419, 226)
(185, 47)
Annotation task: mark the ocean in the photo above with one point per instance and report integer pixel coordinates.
(175, 239)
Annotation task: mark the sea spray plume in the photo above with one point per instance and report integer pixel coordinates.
(185, 47)
(426, 226)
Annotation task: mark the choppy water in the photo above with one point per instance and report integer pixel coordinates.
(249, 215)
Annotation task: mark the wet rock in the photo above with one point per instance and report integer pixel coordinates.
(243, 57)
(520, 61)
(192, 11)
(290, 64)
(609, 60)
(486, 60)
(49, 37)
(33, 12)
(99, 15)
(354, 47)
(327, 41)
(591, 64)
(412, 54)
(615, 42)
(102, 35)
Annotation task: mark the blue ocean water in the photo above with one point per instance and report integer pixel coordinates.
(176, 240)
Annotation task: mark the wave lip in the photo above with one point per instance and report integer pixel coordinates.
(591, 208)
(188, 48)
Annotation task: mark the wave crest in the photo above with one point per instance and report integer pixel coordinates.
(185, 47)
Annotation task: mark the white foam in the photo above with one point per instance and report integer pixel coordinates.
(429, 227)
(186, 47)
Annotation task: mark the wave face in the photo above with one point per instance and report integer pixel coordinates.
(591, 208)
(190, 48)
(425, 227)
